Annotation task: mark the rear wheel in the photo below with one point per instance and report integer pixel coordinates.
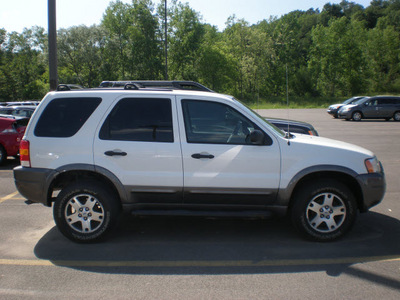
(324, 210)
(85, 211)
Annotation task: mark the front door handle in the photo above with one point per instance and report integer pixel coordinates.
(201, 155)
(115, 153)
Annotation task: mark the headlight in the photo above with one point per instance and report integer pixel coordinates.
(345, 109)
(373, 165)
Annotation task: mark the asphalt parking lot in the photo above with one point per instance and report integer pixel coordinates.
(206, 258)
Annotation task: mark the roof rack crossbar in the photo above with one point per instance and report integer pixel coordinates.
(131, 86)
(68, 87)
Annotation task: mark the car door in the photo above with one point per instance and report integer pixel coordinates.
(385, 107)
(139, 143)
(371, 109)
(220, 164)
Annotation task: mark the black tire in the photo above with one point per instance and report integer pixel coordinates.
(324, 211)
(86, 211)
(3, 155)
(356, 116)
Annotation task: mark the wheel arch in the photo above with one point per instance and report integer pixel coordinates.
(74, 173)
(308, 176)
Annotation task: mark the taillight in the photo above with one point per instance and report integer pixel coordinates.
(24, 154)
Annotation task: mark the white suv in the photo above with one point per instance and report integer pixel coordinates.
(93, 153)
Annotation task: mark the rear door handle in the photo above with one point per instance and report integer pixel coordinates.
(202, 155)
(115, 153)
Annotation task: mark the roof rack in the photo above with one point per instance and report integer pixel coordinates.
(68, 87)
(137, 84)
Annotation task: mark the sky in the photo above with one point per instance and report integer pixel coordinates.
(19, 14)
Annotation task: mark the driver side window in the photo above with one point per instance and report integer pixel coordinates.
(215, 123)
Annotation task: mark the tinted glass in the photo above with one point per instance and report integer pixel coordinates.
(361, 101)
(215, 123)
(6, 111)
(386, 101)
(63, 117)
(136, 119)
(23, 113)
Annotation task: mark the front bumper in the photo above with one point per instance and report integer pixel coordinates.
(332, 112)
(32, 183)
(373, 188)
(344, 115)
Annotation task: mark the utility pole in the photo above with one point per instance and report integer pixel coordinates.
(52, 45)
(166, 41)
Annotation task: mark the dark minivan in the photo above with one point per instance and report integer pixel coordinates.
(378, 107)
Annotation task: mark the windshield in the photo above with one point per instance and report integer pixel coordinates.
(348, 101)
(249, 110)
(362, 100)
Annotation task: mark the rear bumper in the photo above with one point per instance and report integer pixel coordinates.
(32, 184)
(373, 188)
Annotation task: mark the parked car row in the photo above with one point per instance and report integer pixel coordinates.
(11, 132)
(24, 111)
(13, 122)
(19, 103)
(363, 107)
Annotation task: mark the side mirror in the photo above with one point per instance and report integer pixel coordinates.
(257, 137)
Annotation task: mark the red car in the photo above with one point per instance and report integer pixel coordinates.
(11, 132)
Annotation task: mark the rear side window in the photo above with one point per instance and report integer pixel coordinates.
(387, 101)
(63, 117)
(139, 119)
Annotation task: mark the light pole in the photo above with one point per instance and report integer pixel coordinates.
(166, 41)
(52, 45)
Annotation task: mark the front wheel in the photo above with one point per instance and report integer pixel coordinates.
(396, 116)
(3, 155)
(85, 211)
(324, 210)
(357, 116)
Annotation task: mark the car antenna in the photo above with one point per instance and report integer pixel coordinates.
(287, 104)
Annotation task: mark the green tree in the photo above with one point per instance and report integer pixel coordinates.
(215, 66)
(337, 61)
(383, 49)
(186, 34)
(22, 64)
(253, 55)
(118, 20)
(79, 53)
(144, 42)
